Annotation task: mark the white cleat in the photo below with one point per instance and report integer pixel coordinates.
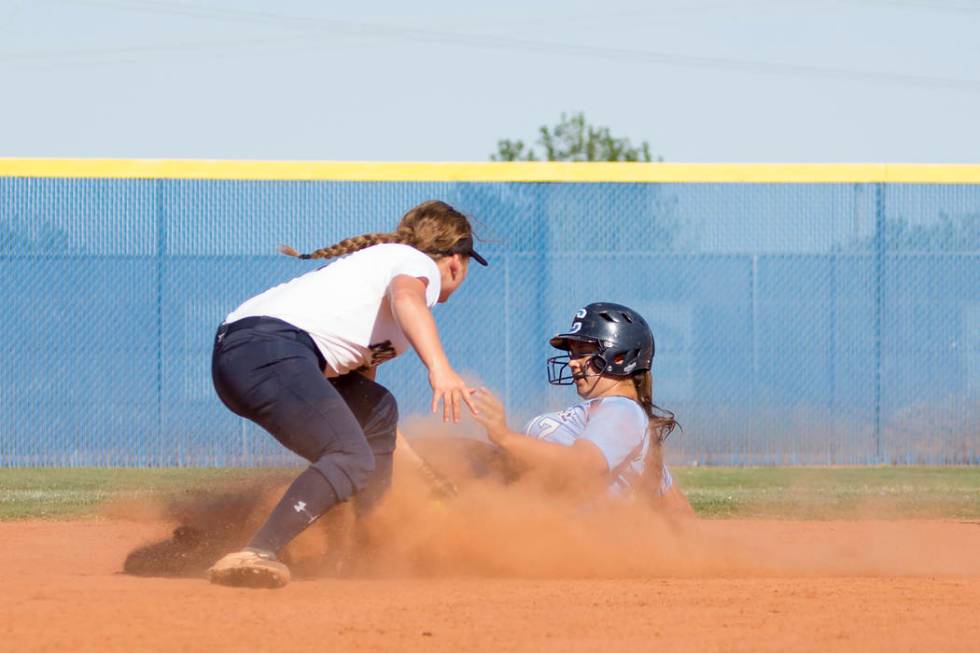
(249, 569)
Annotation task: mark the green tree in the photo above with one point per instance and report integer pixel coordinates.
(574, 139)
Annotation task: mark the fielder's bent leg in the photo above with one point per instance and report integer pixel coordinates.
(342, 462)
(272, 374)
(376, 411)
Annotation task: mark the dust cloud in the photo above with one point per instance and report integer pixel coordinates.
(522, 529)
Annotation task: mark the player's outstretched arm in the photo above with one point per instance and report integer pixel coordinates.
(581, 461)
(407, 297)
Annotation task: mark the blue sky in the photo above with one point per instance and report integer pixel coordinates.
(701, 80)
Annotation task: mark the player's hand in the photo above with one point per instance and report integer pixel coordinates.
(449, 388)
(492, 415)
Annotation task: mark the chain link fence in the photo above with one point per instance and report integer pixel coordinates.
(795, 323)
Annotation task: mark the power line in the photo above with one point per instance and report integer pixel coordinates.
(311, 25)
(967, 8)
(162, 48)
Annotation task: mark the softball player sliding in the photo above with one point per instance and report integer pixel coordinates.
(299, 360)
(613, 440)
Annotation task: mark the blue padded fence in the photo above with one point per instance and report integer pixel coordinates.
(795, 323)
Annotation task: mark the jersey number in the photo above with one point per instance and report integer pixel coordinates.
(547, 426)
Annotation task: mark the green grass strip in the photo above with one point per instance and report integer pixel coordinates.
(884, 492)
(715, 492)
(59, 493)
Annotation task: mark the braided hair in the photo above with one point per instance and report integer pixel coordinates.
(432, 227)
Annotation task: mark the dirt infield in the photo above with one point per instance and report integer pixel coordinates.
(756, 586)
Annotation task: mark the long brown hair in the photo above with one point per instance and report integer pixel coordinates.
(661, 423)
(432, 227)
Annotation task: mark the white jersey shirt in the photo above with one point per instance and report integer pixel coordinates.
(344, 306)
(616, 425)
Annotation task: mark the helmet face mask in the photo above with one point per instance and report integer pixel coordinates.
(623, 340)
(561, 373)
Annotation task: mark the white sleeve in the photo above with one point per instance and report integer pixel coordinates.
(417, 264)
(617, 428)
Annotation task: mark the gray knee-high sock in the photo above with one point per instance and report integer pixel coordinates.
(307, 498)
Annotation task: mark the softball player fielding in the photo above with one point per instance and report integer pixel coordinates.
(299, 360)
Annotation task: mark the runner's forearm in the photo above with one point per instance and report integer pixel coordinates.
(581, 460)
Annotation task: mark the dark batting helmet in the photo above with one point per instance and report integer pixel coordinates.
(623, 339)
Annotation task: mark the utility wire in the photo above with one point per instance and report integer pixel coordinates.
(315, 25)
(162, 48)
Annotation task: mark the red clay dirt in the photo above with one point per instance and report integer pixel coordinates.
(725, 585)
